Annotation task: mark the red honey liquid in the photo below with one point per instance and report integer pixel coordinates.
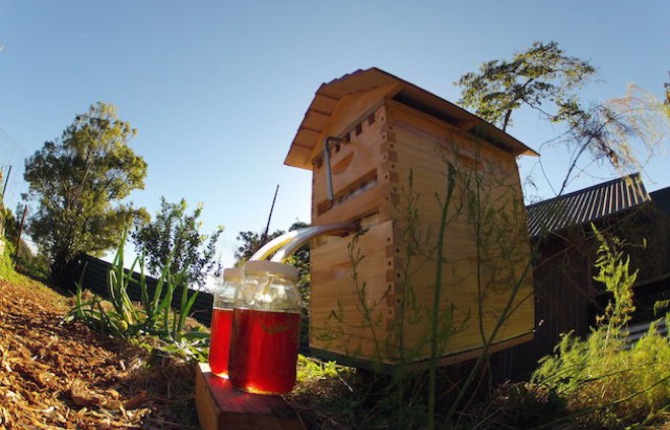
(264, 351)
(219, 347)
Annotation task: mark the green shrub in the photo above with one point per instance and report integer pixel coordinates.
(6, 265)
(153, 316)
(312, 370)
(603, 381)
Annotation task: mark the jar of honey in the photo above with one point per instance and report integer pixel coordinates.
(222, 320)
(266, 329)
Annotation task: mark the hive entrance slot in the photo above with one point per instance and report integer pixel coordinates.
(365, 183)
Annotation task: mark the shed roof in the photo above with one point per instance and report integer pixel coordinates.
(386, 87)
(661, 199)
(587, 205)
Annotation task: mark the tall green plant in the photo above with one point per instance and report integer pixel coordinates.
(435, 344)
(154, 315)
(493, 209)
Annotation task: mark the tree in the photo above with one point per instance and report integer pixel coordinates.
(175, 235)
(619, 130)
(541, 75)
(545, 79)
(667, 98)
(78, 183)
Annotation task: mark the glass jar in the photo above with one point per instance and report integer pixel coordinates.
(266, 329)
(222, 320)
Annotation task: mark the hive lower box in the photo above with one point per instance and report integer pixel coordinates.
(382, 315)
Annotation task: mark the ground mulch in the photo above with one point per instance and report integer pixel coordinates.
(55, 375)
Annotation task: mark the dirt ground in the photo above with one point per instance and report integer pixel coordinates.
(55, 375)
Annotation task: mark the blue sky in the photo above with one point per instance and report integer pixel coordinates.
(217, 89)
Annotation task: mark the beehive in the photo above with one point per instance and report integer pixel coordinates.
(428, 182)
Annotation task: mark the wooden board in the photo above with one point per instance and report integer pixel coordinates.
(220, 406)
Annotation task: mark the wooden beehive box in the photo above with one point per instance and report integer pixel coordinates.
(408, 165)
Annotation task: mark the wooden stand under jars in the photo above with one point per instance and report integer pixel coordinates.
(220, 406)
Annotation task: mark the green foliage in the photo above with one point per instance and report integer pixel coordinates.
(311, 370)
(602, 381)
(613, 272)
(11, 229)
(25, 261)
(76, 182)
(34, 266)
(541, 75)
(153, 316)
(175, 236)
(250, 242)
(545, 79)
(7, 221)
(6, 265)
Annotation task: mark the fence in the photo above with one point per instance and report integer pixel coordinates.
(95, 272)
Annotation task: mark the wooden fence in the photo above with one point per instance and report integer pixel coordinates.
(95, 272)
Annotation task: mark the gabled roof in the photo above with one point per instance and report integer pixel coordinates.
(373, 85)
(587, 205)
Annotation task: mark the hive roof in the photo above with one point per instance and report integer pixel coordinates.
(378, 85)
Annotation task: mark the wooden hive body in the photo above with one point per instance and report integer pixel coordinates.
(407, 168)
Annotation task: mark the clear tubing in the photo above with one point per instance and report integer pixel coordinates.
(283, 246)
(305, 235)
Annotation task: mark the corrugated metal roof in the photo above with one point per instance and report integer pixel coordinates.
(586, 205)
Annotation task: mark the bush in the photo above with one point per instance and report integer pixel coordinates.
(6, 265)
(604, 381)
(153, 316)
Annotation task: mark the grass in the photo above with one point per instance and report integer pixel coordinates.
(7, 271)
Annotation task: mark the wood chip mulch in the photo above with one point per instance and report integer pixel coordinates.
(55, 375)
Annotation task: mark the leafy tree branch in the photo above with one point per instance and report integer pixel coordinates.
(174, 235)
